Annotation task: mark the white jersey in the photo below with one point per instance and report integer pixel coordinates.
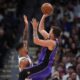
(27, 58)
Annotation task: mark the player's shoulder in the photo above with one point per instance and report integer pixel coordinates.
(53, 42)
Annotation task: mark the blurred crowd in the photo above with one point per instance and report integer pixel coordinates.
(66, 16)
(10, 31)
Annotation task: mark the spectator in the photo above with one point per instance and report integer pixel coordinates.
(73, 76)
(78, 71)
(55, 76)
(61, 70)
(69, 71)
(78, 60)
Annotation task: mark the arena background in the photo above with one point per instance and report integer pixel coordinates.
(66, 16)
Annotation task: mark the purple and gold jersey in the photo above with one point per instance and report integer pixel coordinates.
(44, 67)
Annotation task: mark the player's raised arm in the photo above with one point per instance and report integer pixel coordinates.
(25, 33)
(44, 43)
(47, 9)
(25, 28)
(42, 28)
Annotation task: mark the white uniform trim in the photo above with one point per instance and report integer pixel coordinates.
(28, 79)
(27, 58)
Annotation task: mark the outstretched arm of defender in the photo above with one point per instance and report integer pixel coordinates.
(25, 28)
(25, 33)
(41, 27)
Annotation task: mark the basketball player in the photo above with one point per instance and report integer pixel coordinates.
(49, 47)
(22, 48)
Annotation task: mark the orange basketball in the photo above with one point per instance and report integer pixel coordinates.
(47, 8)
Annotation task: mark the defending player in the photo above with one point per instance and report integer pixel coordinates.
(23, 58)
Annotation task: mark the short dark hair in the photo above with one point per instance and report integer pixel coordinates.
(56, 31)
(72, 67)
(19, 46)
(78, 57)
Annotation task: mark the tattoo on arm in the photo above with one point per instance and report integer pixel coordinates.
(35, 35)
(25, 38)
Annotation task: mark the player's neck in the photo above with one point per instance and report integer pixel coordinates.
(23, 55)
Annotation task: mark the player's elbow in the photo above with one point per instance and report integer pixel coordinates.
(35, 40)
(39, 29)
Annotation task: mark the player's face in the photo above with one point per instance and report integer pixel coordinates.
(51, 35)
(22, 51)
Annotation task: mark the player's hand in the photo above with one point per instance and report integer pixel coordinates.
(26, 21)
(45, 15)
(34, 23)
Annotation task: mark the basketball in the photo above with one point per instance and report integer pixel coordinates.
(47, 8)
